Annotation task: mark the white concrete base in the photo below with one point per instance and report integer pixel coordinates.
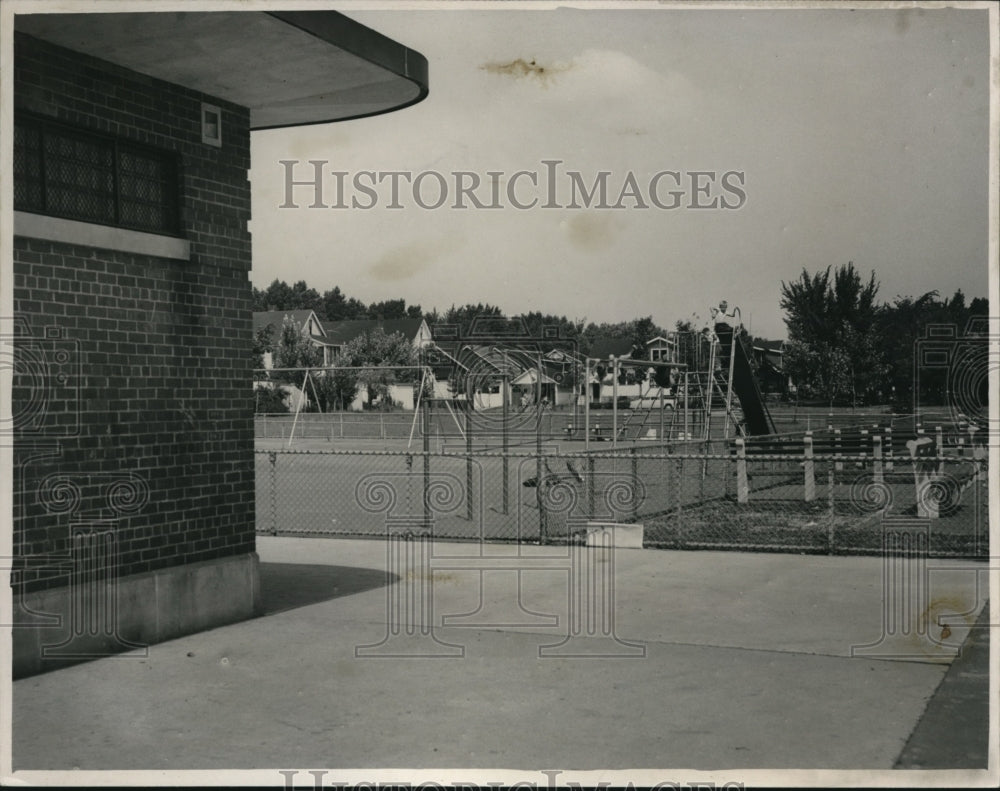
(64, 626)
(621, 536)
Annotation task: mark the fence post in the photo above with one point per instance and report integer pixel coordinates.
(468, 462)
(864, 448)
(678, 476)
(809, 468)
(742, 486)
(925, 472)
(939, 447)
(705, 449)
(273, 460)
(635, 484)
(427, 466)
(838, 465)
(978, 456)
(831, 507)
(542, 488)
(591, 495)
(877, 454)
(888, 448)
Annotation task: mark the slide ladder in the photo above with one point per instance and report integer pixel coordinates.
(755, 413)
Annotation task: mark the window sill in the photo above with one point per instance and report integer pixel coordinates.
(55, 229)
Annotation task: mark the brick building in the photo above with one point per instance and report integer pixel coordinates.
(133, 486)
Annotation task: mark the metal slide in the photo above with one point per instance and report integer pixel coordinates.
(755, 413)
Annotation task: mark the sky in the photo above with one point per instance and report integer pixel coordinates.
(847, 135)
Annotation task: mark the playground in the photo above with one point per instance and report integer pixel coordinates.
(821, 491)
(508, 546)
(685, 445)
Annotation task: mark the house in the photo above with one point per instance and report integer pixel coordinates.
(663, 348)
(307, 320)
(461, 369)
(336, 334)
(565, 369)
(132, 422)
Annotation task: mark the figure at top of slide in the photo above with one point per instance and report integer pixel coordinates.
(723, 315)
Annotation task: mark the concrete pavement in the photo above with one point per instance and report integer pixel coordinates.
(699, 660)
(952, 734)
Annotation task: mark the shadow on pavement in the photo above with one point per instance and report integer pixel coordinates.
(954, 731)
(285, 586)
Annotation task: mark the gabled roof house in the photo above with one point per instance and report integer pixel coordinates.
(335, 334)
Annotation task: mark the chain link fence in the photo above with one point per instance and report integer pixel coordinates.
(570, 422)
(554, 423)
(723, 495)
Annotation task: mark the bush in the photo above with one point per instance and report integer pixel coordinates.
(270, 400)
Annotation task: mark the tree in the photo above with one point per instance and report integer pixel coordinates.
(638, 331)
(295, 350)
(336, 307)
(464, 315)
(336, 387)
(280, 296)
(536, 322)
(269, 399)
(262, 341)
(388, 309)
(834, 347)
(276, 296)
(819, 369)
(305, 298)
(373, 350)
(806, 304)
(902, 325)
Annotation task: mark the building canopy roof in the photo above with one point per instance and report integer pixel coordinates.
(290, 68)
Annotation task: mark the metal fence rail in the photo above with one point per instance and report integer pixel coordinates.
(567, 423)
(827, 503)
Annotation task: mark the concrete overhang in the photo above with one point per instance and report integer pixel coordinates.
(290, 68)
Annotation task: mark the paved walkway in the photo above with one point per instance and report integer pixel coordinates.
(953, 732)
(717, 660)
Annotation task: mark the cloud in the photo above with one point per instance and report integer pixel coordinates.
(413, 258)
(593, 77)
(591, 231)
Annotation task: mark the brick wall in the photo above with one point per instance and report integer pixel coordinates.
(142, 413)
